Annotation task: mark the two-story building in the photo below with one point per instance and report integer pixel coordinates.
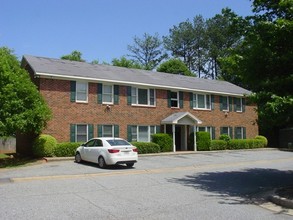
(90, 100)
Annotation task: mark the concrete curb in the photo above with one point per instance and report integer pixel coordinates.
(274, 198)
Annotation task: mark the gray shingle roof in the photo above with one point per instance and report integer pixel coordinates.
(72, 70)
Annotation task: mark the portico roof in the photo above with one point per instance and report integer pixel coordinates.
(182, 118)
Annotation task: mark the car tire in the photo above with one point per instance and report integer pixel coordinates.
(129, 165)
(102, 162)
(78, 158)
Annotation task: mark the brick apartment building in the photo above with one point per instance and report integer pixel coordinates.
(89, 100)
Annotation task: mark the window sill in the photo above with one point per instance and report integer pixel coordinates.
(202, 109)
(144, 106)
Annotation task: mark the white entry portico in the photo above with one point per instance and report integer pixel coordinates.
(181, 120)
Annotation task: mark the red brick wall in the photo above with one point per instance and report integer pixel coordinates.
(57, 95)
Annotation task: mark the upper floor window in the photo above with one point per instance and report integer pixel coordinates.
(174, 99)
(201, 101)
(141, 96)
(81, 91)
(107, 94)
(238, 104)
(224, 103)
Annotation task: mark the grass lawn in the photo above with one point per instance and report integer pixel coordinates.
(11, 161)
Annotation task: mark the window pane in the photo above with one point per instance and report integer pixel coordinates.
(142, 96)
(107, 131)
(107, 93)
(225, 103)
(208, 103)
(238, 104)
(200, 101)
(143, 134)
(225, 130)
(201, 129)
(133, 95)
(238, 133)
(174, 99)
(134, 133)
(81, 91)
(81, 133)
(152, 97)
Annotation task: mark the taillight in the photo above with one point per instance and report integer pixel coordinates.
(113, 151)
(135, 150)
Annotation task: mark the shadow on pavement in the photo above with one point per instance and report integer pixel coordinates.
(238, 187)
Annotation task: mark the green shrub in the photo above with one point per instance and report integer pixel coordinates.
(263, 138)
(146, 147)
(219, 145)
(245, 144)
(66, 149)
(165, 141)
(225, 137)
(203, 141)
(44, 146)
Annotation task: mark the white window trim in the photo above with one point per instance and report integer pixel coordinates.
(112, 94)
(173, 99)
(87, 131)
(205, 101)
(87, 92)
(149, 97)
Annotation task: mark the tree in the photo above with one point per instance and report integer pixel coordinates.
(263, 62)
(74, 56)
(123, 62)
(222, 35)
(174, 66)
(147, 51)
(187, 41)
(22, 108)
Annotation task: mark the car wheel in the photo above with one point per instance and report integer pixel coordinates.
(78, 158)
(101, 162)
(129, 165)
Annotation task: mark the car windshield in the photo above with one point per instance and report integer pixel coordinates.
(116, 142)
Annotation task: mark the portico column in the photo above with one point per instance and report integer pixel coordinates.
(174, 145)
(194, 133)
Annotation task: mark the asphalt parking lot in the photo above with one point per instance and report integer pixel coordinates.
(209, 185)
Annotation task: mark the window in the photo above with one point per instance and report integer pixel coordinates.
(174, 99)
(238, 104)
(108, 131)
(240, 133)
(227, 131)
(81, 92)
(211, 130)
(141, 96)
(141, 133)
(81, 133)
(201, 101)
(107, 94)
(224, 103)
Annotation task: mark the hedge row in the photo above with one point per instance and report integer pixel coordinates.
(147, 147)
(233, 144)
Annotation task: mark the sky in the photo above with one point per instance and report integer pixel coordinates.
(99, 29)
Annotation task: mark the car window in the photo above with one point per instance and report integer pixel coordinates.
(91, 143)
(116, 142)
(99, 143)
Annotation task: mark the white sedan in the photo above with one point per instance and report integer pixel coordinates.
(107, 151)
